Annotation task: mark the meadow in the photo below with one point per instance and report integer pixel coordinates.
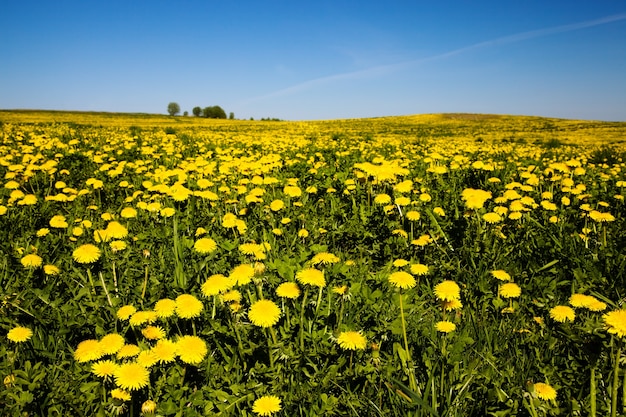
(428, 265)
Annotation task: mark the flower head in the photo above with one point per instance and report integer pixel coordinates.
(264, 313)
(188, 306)
(288, 290)
(191, 349)
(544, 391)
(562, 313)
(501, 275)
(86, 254)
(445, 326)
(311, 276)
(216, 284)
(88, 350)
(111, 343)
(124, 312)
(165, 307)
(104, 369)
(352, 340)
(19, 334)
(324, 258)
(31, 261)
(510, 290)
(402, 279)
(448, 290)
(205, 245)
(131, 376)
(615, 322)
(266, 405)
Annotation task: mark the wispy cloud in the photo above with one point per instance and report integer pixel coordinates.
(380, 70)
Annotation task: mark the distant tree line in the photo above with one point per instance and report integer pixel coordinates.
(211, 112)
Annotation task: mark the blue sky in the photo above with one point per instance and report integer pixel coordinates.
(317, 60)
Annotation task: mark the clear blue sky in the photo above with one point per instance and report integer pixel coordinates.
(317, 60)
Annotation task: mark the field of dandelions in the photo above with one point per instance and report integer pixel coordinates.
(435, 265)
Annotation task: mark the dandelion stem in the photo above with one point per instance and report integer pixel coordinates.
(93, 287)
(114, 276)
(306, 292)
(145, 284)
(614, 388)
(592, 393)
(412, 383)
(105, 288)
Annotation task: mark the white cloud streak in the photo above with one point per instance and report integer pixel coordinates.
(389, 68)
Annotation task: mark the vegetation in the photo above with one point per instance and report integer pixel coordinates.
(173, 109)
(432, 265)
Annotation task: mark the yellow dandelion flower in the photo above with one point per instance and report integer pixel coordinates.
(266, 405)
(439, 212)
(229, 220)
(422, 241)
(124, 312)
(492, 217)
(277, 205)
(216, 284)
(86, 254)
(19, 334)
(615, 322)
(51, 270)
(597, 305)
(128, 213)
(399, 263)
(191, 349)
(501, 275)
(120, 394)
(264, 313)
(165, 351)
(131, 376)
(288, 290)
(382, 199)
(146, 358)
(510, 290)
(419, 269)
(475, 199)
(104, 369)
(544, 391)
(445, 326)
(153, 332)
(58, 222)
(448, 290)
(232, 296)
(412, 215)
(148, 407)
(341, 290)
(324, 258)
(562, 313)
(352, 340)
(451, 305)
(118, 245)
(242, 274)
(188, 306)
(205, 245)
(165, 307)
(581, 300)
(32, 261)
(88, 350)
(111, 343)
(311, 276)
(128, 351)
(116, 230)
(142, 317)
(402, 279)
